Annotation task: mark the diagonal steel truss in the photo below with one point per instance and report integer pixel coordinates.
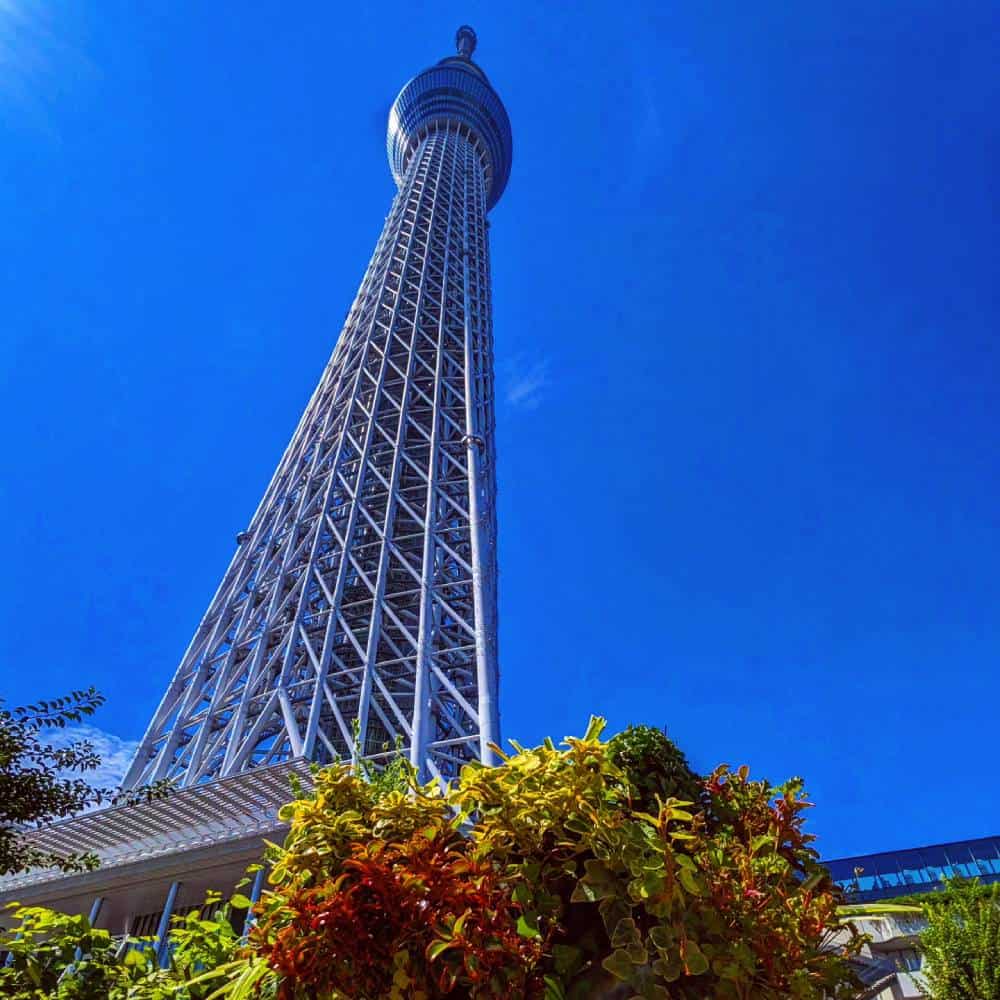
(365, 585)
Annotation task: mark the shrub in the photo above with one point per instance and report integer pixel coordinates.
(567, 873)
(60, 956)
(564, 873)
(655, 767)
(961, 944)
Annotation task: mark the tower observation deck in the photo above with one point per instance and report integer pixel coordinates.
(359, 610)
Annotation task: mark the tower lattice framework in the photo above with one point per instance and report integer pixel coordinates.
(359, 611)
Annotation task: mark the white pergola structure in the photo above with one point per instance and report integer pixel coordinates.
(160, 857)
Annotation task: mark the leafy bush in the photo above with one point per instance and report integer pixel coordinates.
(961, 944)
(55, 955)
(52, 955)
(566, 873)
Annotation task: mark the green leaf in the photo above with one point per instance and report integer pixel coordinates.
(662, 938)
(554, 989)
(648, 817)
(682, 814)
(619, 965)
(626, 934)
(595, 728)
(811, 882)
(240, 902)
(601, 879)
(652, 884)
(436, 948)
(668, 971)
(525, 929)
(612, 911)
(695, 963)
(690, 882)
(566, 958)
(531, 870)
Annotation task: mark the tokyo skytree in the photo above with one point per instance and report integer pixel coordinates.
(359, 612)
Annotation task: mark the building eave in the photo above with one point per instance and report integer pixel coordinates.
(218, 819)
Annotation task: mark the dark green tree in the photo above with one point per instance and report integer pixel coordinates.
(656, 766)
(40, 783)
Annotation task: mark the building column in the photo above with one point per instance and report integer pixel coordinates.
(163, 931)
(255, 891)
(95, 912)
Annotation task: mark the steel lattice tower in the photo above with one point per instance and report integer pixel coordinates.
(364, 587)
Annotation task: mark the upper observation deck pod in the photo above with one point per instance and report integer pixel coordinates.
(454, 90)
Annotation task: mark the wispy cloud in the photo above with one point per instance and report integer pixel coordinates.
(115, 753)
(526, 381)
(40, 57)
(668, 102)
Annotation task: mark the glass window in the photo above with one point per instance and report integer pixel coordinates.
(911, 865)
(963, 862)
(890, 880)
(907, 960)
(936, 860)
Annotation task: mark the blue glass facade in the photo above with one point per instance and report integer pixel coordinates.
(872, 877)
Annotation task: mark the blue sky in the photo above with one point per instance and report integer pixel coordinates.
(745, 312)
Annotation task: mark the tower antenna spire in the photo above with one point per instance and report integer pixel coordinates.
(465, 41)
